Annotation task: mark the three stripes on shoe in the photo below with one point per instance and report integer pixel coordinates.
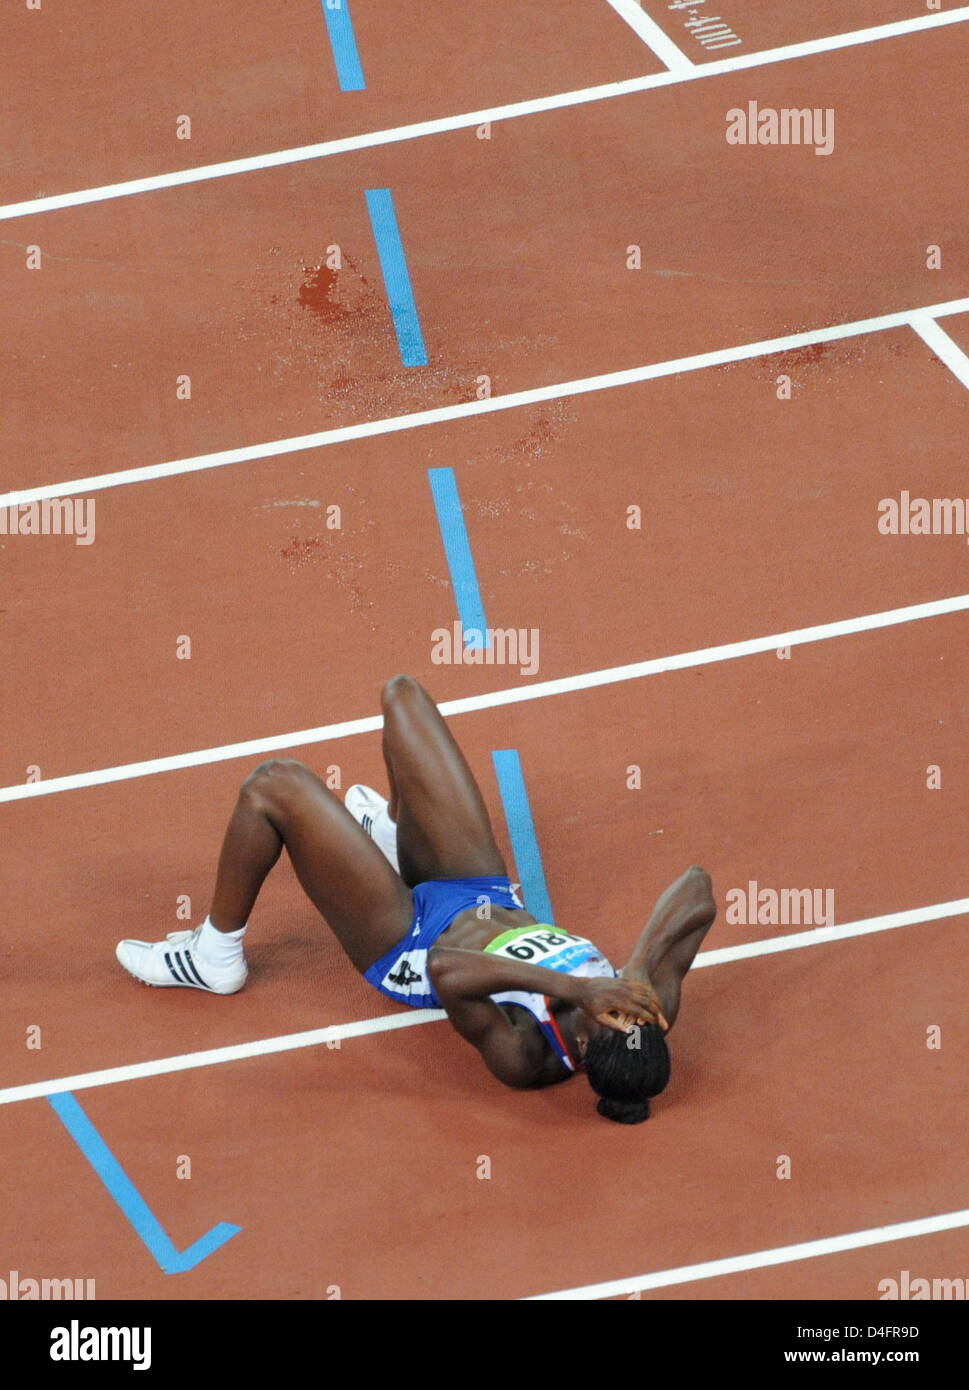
(185, 963)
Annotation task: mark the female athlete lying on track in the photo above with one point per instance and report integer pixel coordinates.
(445, 929)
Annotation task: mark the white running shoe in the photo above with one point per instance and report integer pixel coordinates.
(175, 961)
(369, 809)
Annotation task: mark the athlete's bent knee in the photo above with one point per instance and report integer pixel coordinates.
(274, 779)
(400, 688)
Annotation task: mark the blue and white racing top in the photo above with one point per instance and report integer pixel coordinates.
(549, 946)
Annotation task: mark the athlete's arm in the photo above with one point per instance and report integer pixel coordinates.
(664, 953)
(463, 981)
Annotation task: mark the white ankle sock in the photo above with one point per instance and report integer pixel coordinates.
(220, 948)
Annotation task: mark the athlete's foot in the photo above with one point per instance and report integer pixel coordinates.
(177, 961)
(370, 810)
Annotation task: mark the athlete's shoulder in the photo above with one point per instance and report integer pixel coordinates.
(532, 1062)
(515, 1050)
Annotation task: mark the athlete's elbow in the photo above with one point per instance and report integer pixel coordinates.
(702, 883)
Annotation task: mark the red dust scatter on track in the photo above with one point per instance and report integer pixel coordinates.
(762, 24)
(259, 78)
(354, 1168)
(316, 294)
(517, 250)
(812, 772)
(757, 516)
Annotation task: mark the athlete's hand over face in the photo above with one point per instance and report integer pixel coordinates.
(620, 1003)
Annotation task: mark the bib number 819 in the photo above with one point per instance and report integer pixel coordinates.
(539, 943)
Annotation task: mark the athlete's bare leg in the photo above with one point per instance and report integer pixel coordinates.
(443, 827)
(349, 881)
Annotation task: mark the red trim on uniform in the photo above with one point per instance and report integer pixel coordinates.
(558, 1033)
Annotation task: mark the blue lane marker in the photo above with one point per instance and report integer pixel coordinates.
(400, 296)
(457, 548)
(344, 44)
(127, 1196)
(521, 829)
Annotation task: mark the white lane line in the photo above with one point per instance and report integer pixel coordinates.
(787, 53)
(188, 1061)
(942, 345)
(820, 936)
(249, 748)
(763, 1259)
(512, 401)
(565, 685)
(317, 1037)
(652, 35)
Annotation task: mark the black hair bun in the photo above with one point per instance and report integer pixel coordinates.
(624, 1112)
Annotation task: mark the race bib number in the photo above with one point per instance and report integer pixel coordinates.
(534, 944)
